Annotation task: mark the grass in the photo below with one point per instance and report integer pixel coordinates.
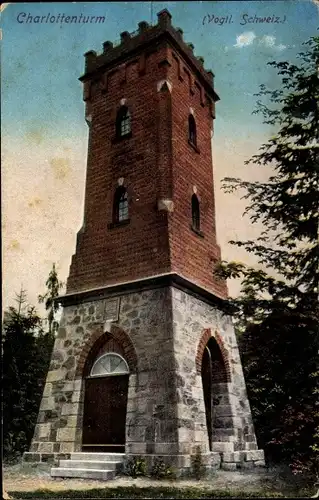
(147, 493)
(276, 483)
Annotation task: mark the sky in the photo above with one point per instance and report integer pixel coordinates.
(44, 134)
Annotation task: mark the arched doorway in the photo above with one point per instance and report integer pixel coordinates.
(214, 378)
(105, 403)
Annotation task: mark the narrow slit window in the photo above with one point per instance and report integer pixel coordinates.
(192, 136)
(120, 209)
(195, 213)
(123, 122)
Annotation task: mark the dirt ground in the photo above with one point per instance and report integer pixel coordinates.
(27, 478)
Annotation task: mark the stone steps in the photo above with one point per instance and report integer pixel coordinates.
(86, 464)
(103, 457)
(103, 475)
(102, 466)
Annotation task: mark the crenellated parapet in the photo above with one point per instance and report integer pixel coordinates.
(136, 44)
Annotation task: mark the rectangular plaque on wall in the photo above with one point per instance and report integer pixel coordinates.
(111, 310)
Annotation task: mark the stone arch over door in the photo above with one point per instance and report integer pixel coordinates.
(96, 341)
(213, 365)
(206, 336)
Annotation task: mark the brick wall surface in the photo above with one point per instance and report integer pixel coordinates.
(157, 163)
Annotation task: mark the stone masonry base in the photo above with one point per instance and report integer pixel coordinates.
(166, 409)
(51, 458)
(181, 464)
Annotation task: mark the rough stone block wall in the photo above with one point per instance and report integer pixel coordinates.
(151, 412)
(160, 331)
(233, 426)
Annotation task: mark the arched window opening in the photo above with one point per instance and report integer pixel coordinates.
(120, 207)
(109, 364)
(195, 213)
(123, 122)
(192, 136)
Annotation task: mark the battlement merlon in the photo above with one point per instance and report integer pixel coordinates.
(133, 43)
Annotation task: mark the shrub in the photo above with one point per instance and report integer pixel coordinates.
(135, 467)
(162, 471)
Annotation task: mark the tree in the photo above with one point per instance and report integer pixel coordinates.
(51, 305)
(21, 300)
(26, 351)
(277, 310)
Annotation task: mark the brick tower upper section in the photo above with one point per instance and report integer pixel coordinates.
(149, 200)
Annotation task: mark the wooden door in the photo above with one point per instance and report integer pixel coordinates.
(105, 405)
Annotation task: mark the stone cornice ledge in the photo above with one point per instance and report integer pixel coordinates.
(158, 281)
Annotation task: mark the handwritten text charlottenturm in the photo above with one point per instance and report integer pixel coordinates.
(27, 18)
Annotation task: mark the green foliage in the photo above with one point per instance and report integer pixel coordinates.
(149, 492)
(160, 470)
(49, 298)
(26, 351)
(135, 467)
(277, 310)
(197, 469)
(278, 359)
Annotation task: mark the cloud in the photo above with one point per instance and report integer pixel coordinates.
(245, 39)
(270, 41)
(248, 38)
